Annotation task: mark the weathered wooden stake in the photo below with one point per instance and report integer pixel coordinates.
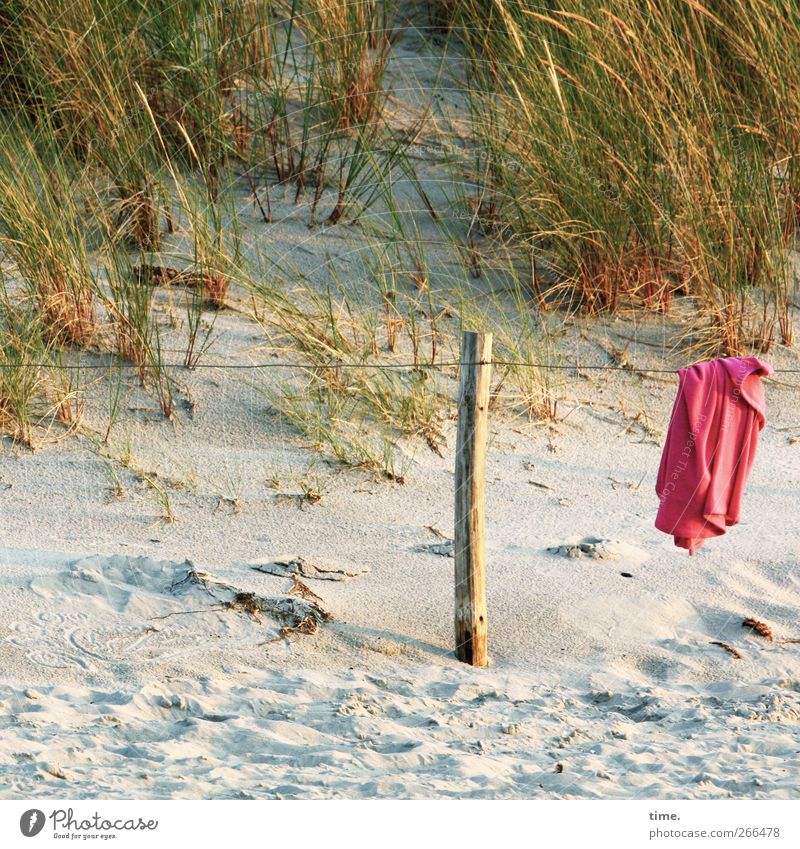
(470, 523)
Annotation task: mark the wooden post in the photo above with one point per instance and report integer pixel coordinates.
(470, 523)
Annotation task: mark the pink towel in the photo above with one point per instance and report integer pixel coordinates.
(710, 448)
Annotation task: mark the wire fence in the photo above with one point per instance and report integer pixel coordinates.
(334, 364)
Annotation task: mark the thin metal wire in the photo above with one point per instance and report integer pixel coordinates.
(339, 365)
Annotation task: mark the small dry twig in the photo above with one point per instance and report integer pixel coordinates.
(730, 649)
(298, 588)
(185, 612)
(760, 628)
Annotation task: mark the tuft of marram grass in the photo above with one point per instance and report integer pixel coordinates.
(42, 230)
(649, 148)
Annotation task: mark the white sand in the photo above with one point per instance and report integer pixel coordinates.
(613, 678)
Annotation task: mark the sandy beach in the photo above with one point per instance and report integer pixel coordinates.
(214, 604)
(116, 683)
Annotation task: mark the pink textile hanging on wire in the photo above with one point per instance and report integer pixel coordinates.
(710, 448)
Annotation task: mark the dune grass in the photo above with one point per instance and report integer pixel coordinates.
(648, 148)
(42, 232)
(638, 152)
(22, 388)
(129, 125)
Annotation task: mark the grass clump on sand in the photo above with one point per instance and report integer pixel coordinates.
(647, 149)
(21, 387)
(354, 414)
(42, 232)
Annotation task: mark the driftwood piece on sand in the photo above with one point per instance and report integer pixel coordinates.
(213, 284)
(164, 275)
(298, 566)
(293, 612)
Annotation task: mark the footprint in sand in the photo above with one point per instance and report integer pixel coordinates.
(113, 610)
(119, 592)
(599, 548)
(591, 547)
(44, 640)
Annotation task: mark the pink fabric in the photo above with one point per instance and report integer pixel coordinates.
(710, 448)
